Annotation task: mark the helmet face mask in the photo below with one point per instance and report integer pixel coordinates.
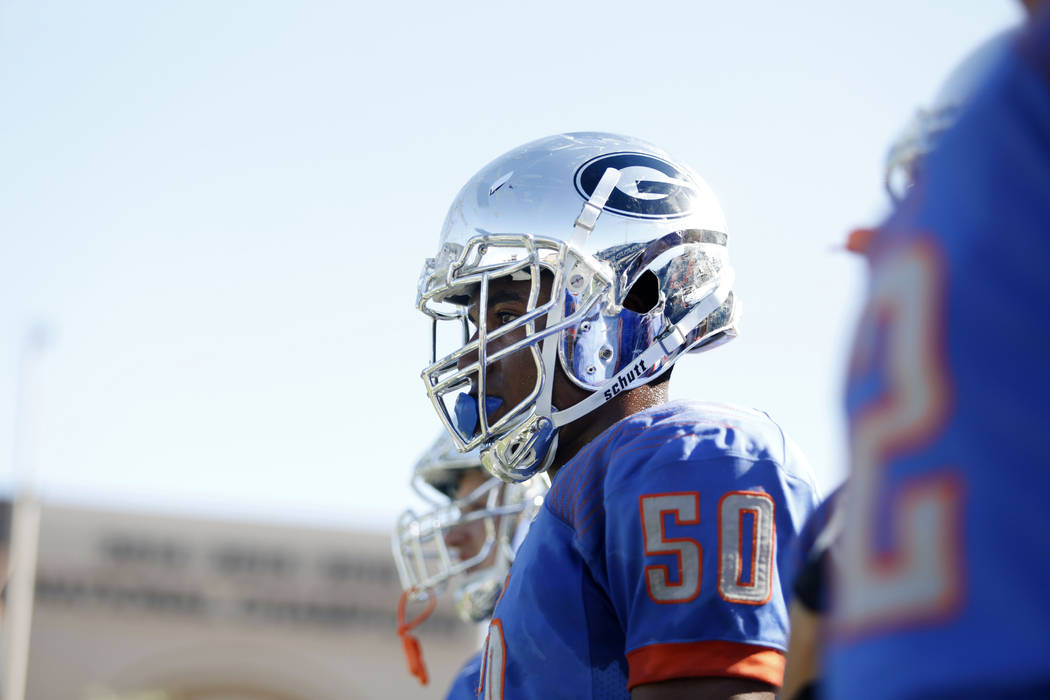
(428, 564)
(587, 215)
(492, 260)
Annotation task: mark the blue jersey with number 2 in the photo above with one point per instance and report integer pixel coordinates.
(658, 554)
(946, 543)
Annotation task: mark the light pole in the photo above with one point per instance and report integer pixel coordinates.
(25, 516)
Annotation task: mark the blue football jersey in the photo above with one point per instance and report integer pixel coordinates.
(946, 538)
(657, 555)
(813, 554)
(465, 684)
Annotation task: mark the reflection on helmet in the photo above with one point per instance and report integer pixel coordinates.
(596, 212)
(924, 130)
(425, 563)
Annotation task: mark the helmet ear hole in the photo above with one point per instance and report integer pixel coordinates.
(644, 294)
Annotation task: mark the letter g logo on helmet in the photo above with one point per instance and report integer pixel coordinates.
(649, 187)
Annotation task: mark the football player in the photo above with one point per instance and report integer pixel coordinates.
(945, 539)
(820, 538)
(465, 541)
(582, 267)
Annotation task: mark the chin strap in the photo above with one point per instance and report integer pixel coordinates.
(410, 645)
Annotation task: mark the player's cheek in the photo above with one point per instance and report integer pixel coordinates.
(523, 374)
(517, 368)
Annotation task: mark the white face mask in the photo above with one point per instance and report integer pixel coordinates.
(427, 565)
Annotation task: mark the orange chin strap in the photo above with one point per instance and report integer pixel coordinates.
(410, 645)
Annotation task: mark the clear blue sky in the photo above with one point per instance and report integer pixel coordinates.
(221, 209)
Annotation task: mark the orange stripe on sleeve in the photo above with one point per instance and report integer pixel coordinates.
(661, 662)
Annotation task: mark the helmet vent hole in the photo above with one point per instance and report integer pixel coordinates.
(605, 353)
(644, 294)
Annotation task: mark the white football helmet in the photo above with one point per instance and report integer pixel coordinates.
(924, 130)
(597, 211)
(424, 561)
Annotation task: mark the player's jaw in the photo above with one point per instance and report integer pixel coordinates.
(468, 538)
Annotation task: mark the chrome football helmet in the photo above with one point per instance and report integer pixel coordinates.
(925, 129)
(597, 212)
(427, 564)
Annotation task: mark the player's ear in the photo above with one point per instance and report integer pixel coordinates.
(644, 294)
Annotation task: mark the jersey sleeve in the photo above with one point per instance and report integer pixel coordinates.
(692, 558)
(465, 685)
(812, 554)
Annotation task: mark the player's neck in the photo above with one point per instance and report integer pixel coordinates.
(574, 437)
